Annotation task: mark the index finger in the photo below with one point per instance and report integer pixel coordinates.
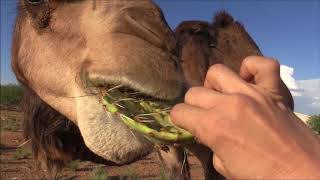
(187, 117)
(197, 121)
(224, 80)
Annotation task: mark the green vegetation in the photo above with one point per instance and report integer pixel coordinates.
(74, 165)
(129, 174)
(99, 174)
(314, 123)
(10, 94)
(162, 175)
(145, 115)
(20, 153)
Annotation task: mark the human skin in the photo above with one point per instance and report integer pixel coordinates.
(252, 132)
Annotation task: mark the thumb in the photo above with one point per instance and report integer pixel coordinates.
(218, 165)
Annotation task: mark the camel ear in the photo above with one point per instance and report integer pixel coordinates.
(232, 43)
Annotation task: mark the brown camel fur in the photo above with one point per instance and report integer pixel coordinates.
(64, 51)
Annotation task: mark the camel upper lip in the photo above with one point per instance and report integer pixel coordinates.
(138, 94)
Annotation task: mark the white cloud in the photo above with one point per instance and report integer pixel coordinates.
(306, 93)
(286, 74)
(310, 99)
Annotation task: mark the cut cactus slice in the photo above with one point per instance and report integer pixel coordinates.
(145, 116)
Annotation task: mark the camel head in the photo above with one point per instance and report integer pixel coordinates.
(64, 51)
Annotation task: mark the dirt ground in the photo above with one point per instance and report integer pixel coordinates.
(16, 161)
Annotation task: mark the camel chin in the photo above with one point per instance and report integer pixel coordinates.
(106, 135)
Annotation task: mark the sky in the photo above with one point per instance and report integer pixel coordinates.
(287, 30)
(306, 93)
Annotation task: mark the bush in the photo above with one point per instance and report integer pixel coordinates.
(129, 174)
(20, 153)
(74, 165)
(314, 123)
(99, 174)
(10, 94)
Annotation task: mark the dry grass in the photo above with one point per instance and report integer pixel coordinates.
(21, 153)
(10, 121)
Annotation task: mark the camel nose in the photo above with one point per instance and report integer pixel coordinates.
(145, 21)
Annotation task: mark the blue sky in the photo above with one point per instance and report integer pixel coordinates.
(288, 30)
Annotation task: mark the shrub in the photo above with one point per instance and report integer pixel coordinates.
(129, 174)
(20, 153)
(314, 123)
(99, 174)
(10, 94)
(162, 175)
(74, 165)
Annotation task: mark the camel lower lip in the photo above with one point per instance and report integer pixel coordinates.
(99, 127)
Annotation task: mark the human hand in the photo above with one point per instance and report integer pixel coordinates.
(249, 127)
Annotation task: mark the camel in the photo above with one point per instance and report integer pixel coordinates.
(64, 51)
(202, 44)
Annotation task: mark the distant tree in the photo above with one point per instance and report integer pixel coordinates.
(10, 94)
(314, 123)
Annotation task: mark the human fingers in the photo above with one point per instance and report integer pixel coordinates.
(188, 117)
(224, 80)
(203, 97)
(286, 94)
(218, 165)
(264, 72)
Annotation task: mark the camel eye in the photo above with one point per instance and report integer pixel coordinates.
(35, 2)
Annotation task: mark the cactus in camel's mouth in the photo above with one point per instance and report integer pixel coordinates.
(145, 115)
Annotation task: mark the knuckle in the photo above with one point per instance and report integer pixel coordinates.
(175, 111)
(190, 93)
(203, 127)
(216, 68)
(213, 71)
(216, 123)
(247, 61)
(250, 58)
(273, 64)
(241, 101)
